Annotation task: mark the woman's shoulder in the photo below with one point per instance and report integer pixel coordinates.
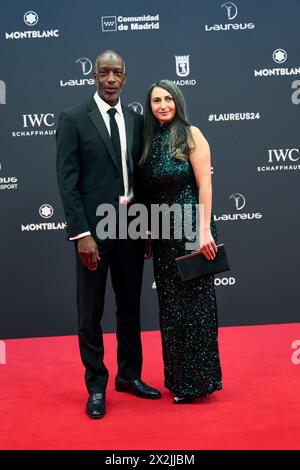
(195, 131)
(198, 136)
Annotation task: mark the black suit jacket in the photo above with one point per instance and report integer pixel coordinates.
(87, 169)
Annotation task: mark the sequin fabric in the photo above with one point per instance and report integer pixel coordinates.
(187, 311)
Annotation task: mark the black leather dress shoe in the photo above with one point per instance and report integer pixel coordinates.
(95, 407)
(136, 387)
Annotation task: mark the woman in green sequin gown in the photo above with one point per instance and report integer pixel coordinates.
(187, 311)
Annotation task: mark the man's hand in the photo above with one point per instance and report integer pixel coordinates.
(148, 249)
(88, 251)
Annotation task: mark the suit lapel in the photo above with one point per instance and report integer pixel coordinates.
(129, 126)
(97, 120)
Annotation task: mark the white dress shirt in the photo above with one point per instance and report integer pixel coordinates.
(119, 117)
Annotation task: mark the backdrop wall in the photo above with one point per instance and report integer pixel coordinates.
(238, 66)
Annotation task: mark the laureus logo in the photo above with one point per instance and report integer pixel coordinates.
(86, 65)
(231, 9)
(136, 107)
(86, 68)
(239, 201)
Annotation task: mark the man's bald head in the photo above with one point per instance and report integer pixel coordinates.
(110, 76)
(108, 54)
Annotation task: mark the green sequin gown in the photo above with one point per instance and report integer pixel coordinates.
(187, 311)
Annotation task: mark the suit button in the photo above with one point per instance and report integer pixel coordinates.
(117, 176)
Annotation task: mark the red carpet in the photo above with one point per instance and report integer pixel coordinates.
(42, 397)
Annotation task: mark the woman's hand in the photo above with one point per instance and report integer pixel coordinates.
(208, 246)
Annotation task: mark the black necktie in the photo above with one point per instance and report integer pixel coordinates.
(115, 136)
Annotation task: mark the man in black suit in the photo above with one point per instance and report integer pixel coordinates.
(99, 145)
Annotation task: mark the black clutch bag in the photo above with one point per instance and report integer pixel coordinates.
(196, 265)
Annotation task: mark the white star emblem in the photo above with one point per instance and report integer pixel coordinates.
(31, 18)
(46, 211)
(279, 56)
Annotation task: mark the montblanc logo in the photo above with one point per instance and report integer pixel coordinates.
(31, 18)
(45, 211)
(2, 92)
(231, 12)
(136, 107)
(279, 56)
(287, 159)
(8, 182)
(86, 67)
(129, 23)
(239, 202)
(34, 125)
(182, 63)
